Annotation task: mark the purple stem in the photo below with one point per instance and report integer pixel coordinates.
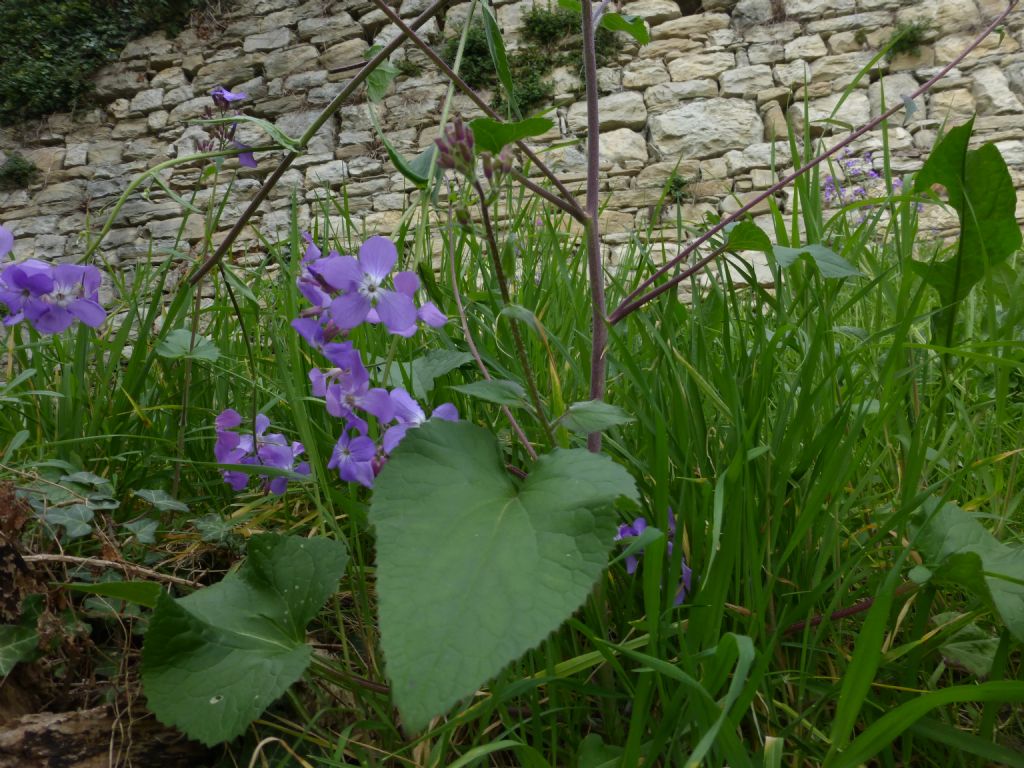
(599, 328)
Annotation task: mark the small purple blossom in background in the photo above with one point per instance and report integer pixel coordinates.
(51, 297)
(245, 158)
(223, 98)
(637, 527)
(255, 448)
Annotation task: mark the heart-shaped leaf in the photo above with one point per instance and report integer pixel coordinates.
(493, 135)
(473, 568)
(213, 661)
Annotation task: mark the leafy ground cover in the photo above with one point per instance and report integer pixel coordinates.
(296, 511)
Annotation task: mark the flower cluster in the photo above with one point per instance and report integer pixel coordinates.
(255, 448)
(345, 292)
(638, 526)
(455, 150)
(224, 135)
(857, 175)
(49, 296)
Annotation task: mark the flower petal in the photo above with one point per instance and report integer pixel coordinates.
(377, 256)
(407, 283)
(349, 310)
(88, 311)
(227, 419)
(6, 240)
(397, 312)
(429, 313)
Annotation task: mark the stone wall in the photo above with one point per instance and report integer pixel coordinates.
(715, 86)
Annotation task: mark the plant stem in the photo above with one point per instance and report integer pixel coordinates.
(464, 321)
(506, 297)
(595, 269)
(325, 115)
(638, 298)
(475, 97)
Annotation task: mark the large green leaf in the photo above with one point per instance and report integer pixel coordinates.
(473, 568)
(380, 78)
(962, 554)
(492, 135)
(216, 659)
(980, 190)
(594, 416)
(496, 45)
(830, 263)
(178, 345)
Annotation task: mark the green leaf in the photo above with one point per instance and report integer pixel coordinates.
(17, 644)
(747, 236)
(634, 26)
(492, 135)
(425, 370)
(594, 416)
(830, 263)
(473, 568)
(496, 46)
(176, 346)
(969, 647)
(143, 593)
(213, 528)
(144, 530)
(86, 478)
(380, 78)
(500, 391)
(416, 170)
(161, 500)
(981, 192)
(279, 136)
(76, 519)
(214, 661)
(963, 555)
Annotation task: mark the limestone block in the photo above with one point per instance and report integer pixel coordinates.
(142, 148)
(129, 129)
(775, 126)
(807, 47)
(706, 127)
(655, 175)
(867, 22)
(271, 40)
(948, 47)
(748, 13)
(811, 9)
(609, 79)
(719, 5)
(114, 81)
(643, 73)
(992, 92)
(765, 53)
(340, 54)
(294, 123)
(172, 77)
(147, 100)
(1012, 151)
(896, 87)
(688, 26)
(225, 73)
(671, 49)
(105, 153)
(331, 173)
(658, 98)
(620, 110)
(412, 8)
(855, 110)
(941, 16)
(65, 193)
(511, 19)
(75, 154)
(290, 61)
(623, 147)
(327, 30)
(653, 11)
(746, 82)
(147, 47)
(958, 102)
(701, 66)
(793, 74)
(179, 95)
(841, 69)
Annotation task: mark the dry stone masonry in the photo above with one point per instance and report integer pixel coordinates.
(710, 99)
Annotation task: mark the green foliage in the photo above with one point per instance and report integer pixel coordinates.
(17, 172)
(491, 135)
(907, 38)
(551, 38)
(486, 567)
(216, 659)
(47, 65)
(409, 68)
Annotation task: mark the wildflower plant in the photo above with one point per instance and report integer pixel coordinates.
(486, 540)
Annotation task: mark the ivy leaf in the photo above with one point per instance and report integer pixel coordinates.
(830, 263)
(473, 568)
(161, 500)
(960, 553)
(76, 519)
(212, 662)
(493, 135)
(144, 530)
(18, 642)
(969, 647)
(176, 344)
(594, 416)
(500, 391)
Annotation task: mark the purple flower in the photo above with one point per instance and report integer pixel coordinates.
(427, 313)
(72, 296)
(245, 158)
(637, 527)
(354, 458)
(22, 282)
(410, 415)
(255, 448)
(346, 388)
(363, 281)
(223, 98)
(6, 241)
